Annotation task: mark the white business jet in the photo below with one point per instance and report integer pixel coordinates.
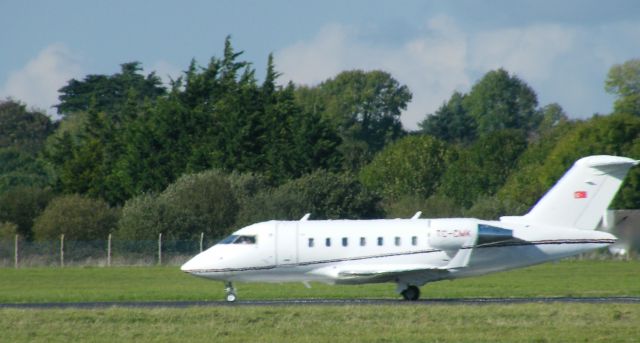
(413, 252)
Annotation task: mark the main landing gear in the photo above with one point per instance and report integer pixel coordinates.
(231, 292)
(410, 293)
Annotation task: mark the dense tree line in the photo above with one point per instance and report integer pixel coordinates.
(217, 149)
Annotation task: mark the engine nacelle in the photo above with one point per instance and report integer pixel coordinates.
(453, 238)
(467, 235)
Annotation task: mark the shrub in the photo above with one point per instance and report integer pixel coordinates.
(77, 217)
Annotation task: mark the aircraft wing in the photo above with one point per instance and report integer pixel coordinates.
(418, 273)
(384, 273)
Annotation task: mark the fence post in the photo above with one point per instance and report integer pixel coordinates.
(62, 250)
(160, 249)
(15, 252)
(201, 239)
(109, 251)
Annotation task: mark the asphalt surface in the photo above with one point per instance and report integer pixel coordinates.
(331, 302)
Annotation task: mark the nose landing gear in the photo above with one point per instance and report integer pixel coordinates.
(231, 292)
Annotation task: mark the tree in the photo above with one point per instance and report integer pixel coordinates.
(21, 205)
(411, 166)
(196, 203)
(77, 217)
(324, 194)
(451, 122)
(522, 188)
(18, 168)
(502, 101)
(363, 107)
(484, 167)
(551, 116)
(21, 129)
(623, 80)
(109, 93)
(616, 134)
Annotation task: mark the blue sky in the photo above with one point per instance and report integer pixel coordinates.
(563, 49)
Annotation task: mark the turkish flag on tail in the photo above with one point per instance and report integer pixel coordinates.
(580, 194)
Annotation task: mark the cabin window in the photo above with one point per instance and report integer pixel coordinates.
(345, 241)
(414, 240)
(363, 241)
(397, 241)
(311, 243)
(380, 241)
(327, 242)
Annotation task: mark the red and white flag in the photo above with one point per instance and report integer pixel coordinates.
(580, 194)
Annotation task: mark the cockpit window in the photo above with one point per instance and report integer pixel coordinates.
(228, 240)
(237, 239)
(245, 240)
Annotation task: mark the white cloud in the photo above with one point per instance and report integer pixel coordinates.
(563, 63)
(531, 52)
(37, 83)
(432, 66)
(312, 62)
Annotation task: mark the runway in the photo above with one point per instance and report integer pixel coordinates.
(321, 302)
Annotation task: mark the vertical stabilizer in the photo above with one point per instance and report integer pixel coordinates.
(580, 198)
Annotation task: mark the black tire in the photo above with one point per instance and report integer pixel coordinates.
(412, 293)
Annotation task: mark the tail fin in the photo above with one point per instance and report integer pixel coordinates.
(580, 198)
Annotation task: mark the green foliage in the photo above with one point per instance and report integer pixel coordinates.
(363, 107)
(436, 206)
(411, 166)
(195, 203)
(22, 136)
(21, 129)
(109, 93)
(213, 117)
(610, 135)
(623, 80)
(142, 218)
(324, 194)
(8, 230)
(502, 101)
(484, 167)
(493, 207)
(551, 116)
(18, 168)
(523, 187)
(21, 205)
(451, 122)
(77, 217)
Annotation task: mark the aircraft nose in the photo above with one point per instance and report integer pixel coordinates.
(194, 264)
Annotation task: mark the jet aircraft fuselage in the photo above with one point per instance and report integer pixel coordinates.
(413, 252)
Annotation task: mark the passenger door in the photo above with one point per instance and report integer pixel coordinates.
(286, 243)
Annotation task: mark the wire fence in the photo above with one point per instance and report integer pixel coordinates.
(18, 252)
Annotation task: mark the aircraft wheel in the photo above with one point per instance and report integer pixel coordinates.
(231, 297)
(231, 292)
(412, 293)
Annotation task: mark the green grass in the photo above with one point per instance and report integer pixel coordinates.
(485, 323)
(556, 322)
(566, 278)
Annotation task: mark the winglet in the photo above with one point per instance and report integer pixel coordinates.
(417, 215)
(305, 217)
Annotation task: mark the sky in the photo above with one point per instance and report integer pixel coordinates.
(562, 49)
